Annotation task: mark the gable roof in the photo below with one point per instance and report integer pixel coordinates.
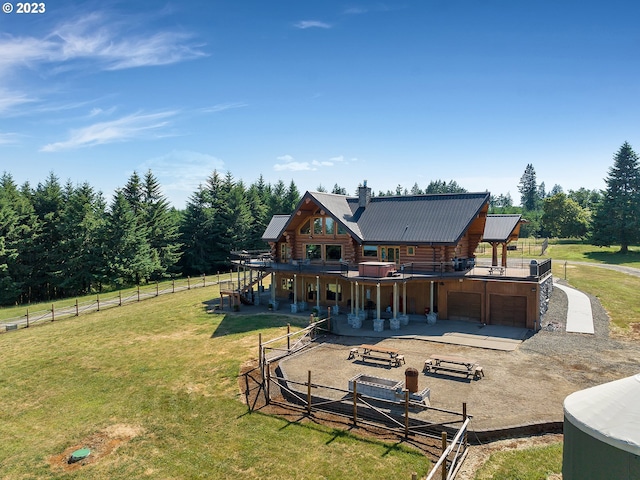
(498, 228)
(275, 228)
(436, 219)
(439, 219)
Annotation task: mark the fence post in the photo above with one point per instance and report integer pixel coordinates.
(414, 476)
(173, 286)
(188, 283)
(77, 311)
(218, 277)
(119, 298)
(27, 318)
(204, 280)
(53, 312)
(406, 413)
(260, 350)
(157, 292)
(444, 462)
(309, 392)
(288, 338)
(267, 393)
(98, 300)
(355, 402)
(138, 292)
(464, 419)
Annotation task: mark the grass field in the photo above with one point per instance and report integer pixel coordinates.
(535, 463)
(156, 383)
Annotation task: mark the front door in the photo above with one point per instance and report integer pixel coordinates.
(391, 254)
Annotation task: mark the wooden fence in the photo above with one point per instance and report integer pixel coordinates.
(404, 417)
(115, 299)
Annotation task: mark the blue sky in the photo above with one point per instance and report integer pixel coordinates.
(321, 92)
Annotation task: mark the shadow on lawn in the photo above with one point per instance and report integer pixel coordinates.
(614, 258)
(233, 323)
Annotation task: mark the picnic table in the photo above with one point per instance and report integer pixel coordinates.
(377, 353)
(455, 364)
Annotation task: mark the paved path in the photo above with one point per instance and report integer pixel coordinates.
(579, 315)
(618, 268)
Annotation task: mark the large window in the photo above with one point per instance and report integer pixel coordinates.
(317, 226)
(322, 226)
(334, 291)
(370, 251)
(313, 252)
(285, 252)
(333, 252)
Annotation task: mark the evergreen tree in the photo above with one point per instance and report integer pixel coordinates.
(81, 230)
(528, 189)
(129, 256)
(48, 204)
(337, 189)
(163, 230)
(259, 220)
(617, 217)
(291, 199)
(197, 245)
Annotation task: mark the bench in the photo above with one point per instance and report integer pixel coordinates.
(378, 354)
(499, 270)
(454, 365)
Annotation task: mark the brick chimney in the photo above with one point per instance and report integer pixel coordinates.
(364, 195)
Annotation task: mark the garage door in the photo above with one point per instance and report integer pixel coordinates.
(464, 306)
(508, 310)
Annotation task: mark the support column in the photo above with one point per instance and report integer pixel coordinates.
(295, 289)
(395, 300)
(357, 298)
(351, 297)
(494, 254)
(378, 301)
(318, 293)
(431, 297)
(336, 293)
(273, 289)
(504, 255)
(404, 298)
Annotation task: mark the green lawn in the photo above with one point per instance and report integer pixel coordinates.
(529, 464)
(167, 371)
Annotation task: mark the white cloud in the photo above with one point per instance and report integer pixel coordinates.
(304, 24)
(96, 111)
(288, 163)
(100, 39)
(9, 99)
(136, 125)
(223, 106)
(181, 171)
(8, 138)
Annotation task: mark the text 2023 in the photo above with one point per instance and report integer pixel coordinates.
(30, 7)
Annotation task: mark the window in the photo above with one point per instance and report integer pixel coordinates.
(313, 252)
(370, 251)
(329, 226)
(341, 229)
(334, 291)
(333, 252)
(411, 251)
(287, 284)
(317, 226)
(285, 252)
(305, 229)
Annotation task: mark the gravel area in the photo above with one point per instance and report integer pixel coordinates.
(526, 386)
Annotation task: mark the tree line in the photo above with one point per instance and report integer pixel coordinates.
(65, 240)
(604, 218)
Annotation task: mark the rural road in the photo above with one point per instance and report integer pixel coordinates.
(619, 268)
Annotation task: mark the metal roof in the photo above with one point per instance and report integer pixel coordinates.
(436, 219)
(275, 228)
(498, 228)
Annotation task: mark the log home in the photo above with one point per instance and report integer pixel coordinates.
(386, 257)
